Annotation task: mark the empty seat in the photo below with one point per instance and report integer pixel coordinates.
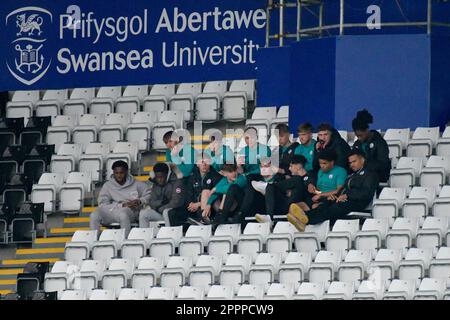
(435, 172)
(385, 264)
(406, 172)
(254, 237)
(159, 97)
(66, 159)
(389, 203)
(279, 291)
(61, 130)
(176, 272)
(73, 192)
(147, 272)
(235, 100)
(22, 104)
(87, 129)
(190, 293)
(167, 239)
(423, 142)
(402, 234)
(184, 99)
(73, 295)
(310, 240)
(91, 273)
(310, 291)
(443, 145)
(131, 294)
(159, 293)
(57, 279)
(264, 270)
(51, 103)
(261, 119)
(354, 267)
(415, 264)
(224, 239)
(250, 292)
(100, 294)
(419, 203)
(168, 121)
(79, 101)
(140, 130)
(281, 239)
(235, 271)
(431, 289)
(372, 235)
(440, 265)
(131, 99)
(194, 242)
(109, 243)
(220, 293)
(206, 269)
(117, 275)
(105, 100)
(137, 244)
(113, 129)
(93, 160)
(441, 205)
(339, 291)
(282, 117)
(294, 269)
(400, 290)
(432, 234)
(342, 235)
(208, 103)
(370, 290)
(397, 140)
(324, 267)
(46, 190)
(79, 248)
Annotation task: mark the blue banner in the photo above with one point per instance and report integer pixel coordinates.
(59, 44)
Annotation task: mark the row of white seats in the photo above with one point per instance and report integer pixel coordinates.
(63, 192)
(327, 267)
(160, 98)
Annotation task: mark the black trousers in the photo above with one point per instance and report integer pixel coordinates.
(178, 216)
(276, 199)
(332, 211)
(232, 204)
(253, 202)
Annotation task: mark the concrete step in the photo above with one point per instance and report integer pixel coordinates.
(8, 274)
(51, 242)
(5, 292)
(9, 284)
(40, 253)
(20, 263)
(66, 232)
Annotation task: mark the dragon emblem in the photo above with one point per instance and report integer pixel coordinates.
(31, 24)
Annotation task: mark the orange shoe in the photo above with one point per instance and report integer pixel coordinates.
(297, 224)
(298, 213)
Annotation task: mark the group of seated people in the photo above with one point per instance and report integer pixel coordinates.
(309, 181)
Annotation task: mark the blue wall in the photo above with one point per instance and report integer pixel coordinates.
(440, 81)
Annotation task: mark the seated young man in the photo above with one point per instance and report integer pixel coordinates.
(330, 180)
(219, 152)
(359, 189)
(307, 143)
(329, 139)
(279, 195)
(179, 154)
(226, 197)
(202, 180)
(120, 199)
(249, 157)
(373, 145)
(286, 149)
(254, 197)
(167, 195)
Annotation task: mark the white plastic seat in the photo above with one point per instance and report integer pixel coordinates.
(431, 289)
(372, 235)
(342, 235)
(167, 239)
(385, 264)
(220, 293)
(140, 130)
(261, 119)
(370, 290)
(117, 275)
(67, 158)
(208, 103)
(91, 272)
(432, 233)
(73, 295)
(415, 264)
(310, 291)
(441, 205)
(419, 203)
(435, 172)
(255, 235)
(61, 130)
(184, 99)
(22, 104)
(206, 269)
(263, 272)
(443, 145)
(57, 279)
(281, 239)
(294, 269)
(79, 101)
(400, 290)
(79, 248)
(108, 244)
(147, 273)
(190, 293)
(282, 117)
(406, 172)
(397, 140)
(125, 151)
(137, 243)
(324, 267)
(176, 272)
(100, 294)
(168, 121)
(235, 271)
(194, 242)
(279, 291)
(51, 103)
(388, 204)
(131, 99)
(105, 100)
(159, 293)
(224, 239)
(86, 131)
(158, 98)
(46, 190)
(250, 292)
(402, 234)
(310, 240)
(235, 100)
(440, 266)
(423, 142)
(354, 267)
(72, 193)
(93, 160)
(113, 129)
(339, 291)
(131, 294)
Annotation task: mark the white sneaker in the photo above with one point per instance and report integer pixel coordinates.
(260, 186)
(263, 218)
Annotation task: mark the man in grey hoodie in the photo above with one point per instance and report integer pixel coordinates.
(120, 199)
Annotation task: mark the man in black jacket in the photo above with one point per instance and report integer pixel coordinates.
(372, 144)
(285, 150)
(329, 138)
(358, 192)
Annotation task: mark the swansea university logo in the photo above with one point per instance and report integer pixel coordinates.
(26, 29)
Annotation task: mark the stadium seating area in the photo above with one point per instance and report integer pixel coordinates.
(57, 149)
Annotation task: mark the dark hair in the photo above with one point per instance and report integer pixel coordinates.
(229, 167)
(325, 127)
(299, 159)
(167, 136)
(305, 127)
(120, 164)
(328, 155)
(362, 120)
(283, 128)
(161, 167)
(250, 128)
(216, 135)
(356, 152)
